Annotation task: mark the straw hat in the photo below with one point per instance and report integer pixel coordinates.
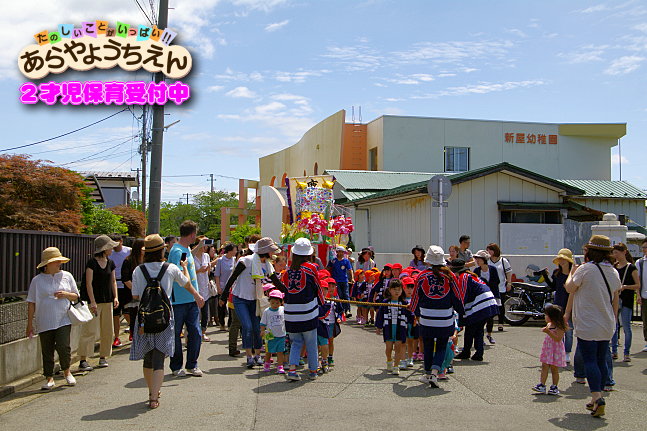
(435, 255)
(103, 243)
(565, 254)
(51, 254)
(153, 243)
(599, 242)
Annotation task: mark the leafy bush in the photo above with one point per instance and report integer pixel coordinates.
(238, 235)
(134, 219)
(101, 221)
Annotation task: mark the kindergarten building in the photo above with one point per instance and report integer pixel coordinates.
(531, 187)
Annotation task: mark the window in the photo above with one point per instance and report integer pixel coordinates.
(372, 159)
(536, 217)
(457, 159)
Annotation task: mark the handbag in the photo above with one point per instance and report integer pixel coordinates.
(79, 313)
(213, 290)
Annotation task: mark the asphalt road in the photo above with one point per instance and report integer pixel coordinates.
(358, 394)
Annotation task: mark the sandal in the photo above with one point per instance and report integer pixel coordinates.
(159, 395)
(153, 404)
(598, 408)
(589, 406)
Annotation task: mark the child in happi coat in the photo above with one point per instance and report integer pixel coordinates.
(358, 293)
(330, 315)
(377, 294)
(273, 331)
(412, 327)
(392, 322)
(371, 277)
(553, 353)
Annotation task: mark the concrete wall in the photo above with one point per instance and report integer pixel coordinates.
(22, 357)
(375, 139)
(272, 204)
(321, 144)
(400, 223)
(417, 144)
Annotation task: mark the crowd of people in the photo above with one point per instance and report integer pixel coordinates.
(290, 308)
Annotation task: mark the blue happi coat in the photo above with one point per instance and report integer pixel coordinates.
(479, 301)
(434, 300)
(303, 297)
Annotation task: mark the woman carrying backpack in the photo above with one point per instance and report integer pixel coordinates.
(154, 347)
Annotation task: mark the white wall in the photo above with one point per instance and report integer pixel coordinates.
(272, 204)
(530, 238)
(400, 224)
(417, 144)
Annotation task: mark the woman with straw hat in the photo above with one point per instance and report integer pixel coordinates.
(154, 348)
(50, 295)
(100, 291)
(595, 287)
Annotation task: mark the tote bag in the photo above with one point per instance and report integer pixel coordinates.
(79, 313)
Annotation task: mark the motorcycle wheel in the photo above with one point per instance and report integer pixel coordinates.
(515, 304)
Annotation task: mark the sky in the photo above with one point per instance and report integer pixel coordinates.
(265, 71)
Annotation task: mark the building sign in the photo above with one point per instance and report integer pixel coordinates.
(97, 45)
(529, 138)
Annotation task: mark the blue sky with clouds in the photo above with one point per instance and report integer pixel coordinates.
(266, 71)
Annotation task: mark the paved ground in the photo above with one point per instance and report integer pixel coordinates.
(358, 394)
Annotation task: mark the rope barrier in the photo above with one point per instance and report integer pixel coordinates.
(370, 304)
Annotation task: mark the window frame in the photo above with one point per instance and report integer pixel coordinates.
(446, 155)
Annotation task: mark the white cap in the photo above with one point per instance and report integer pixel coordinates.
(435, 256)
(302, 247)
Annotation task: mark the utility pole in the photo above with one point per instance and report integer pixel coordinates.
(187, 198)
(138, 195)
(155, 195)
(144, 151)
(211, 175)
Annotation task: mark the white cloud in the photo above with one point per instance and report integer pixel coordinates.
(276, 26)
(269, 108)
(241, 92)
(624, 65)
(597, 8)
(615, 160)
(481, 88)
(585, 54)
(231, 75)
(262, 5)
(355, 58)
(451, 52)
(641, 27)
(214, 88)
(299, 76)
(517, 32)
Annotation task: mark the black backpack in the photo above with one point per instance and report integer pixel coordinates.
(154, 313)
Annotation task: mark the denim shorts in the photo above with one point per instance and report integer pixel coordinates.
(276, 345)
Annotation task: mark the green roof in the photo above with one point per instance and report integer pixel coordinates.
(420, 186)
(602, 189)
(376, 180)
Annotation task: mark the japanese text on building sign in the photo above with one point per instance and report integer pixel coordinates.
(530, 138)
(95, 44)
(98, 93)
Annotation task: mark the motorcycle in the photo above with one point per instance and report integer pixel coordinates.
(527, 300)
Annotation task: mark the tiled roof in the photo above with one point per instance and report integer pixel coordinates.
(607, 189)
(127, 175)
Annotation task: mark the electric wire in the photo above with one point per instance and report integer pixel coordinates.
(65, 134)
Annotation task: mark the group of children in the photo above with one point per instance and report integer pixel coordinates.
(277, 340)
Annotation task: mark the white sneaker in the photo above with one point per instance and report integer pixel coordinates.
(425, 378)
(49, 385)
(70, 380)
(395, 371)
(410, 362)
(433, 381)
(195, 372)
(645, 348)
(103, 363)
(568, 358)
(179, 373)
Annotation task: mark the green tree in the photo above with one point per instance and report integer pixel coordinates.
(238, 235)
(101, 221)
(204, 210)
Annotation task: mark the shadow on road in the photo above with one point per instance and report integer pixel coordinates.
(221, 357)
(578, 421)
(121, 413)
(279, 387)
(418, 391)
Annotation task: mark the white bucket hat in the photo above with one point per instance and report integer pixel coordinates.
(302, 247)
(435, 255)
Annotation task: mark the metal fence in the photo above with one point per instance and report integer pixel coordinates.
(20, 252)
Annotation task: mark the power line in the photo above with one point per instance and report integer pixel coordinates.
(200, 175)
(96, 154)
(65, 134)
(83, 146)
(143, 12)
